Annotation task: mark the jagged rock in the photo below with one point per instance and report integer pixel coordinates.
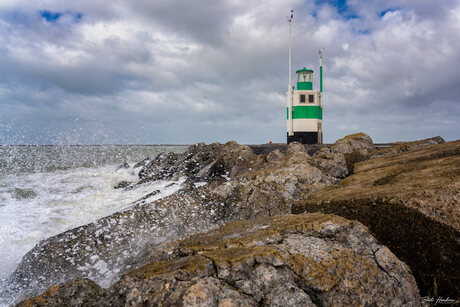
(268, 191)
(275, 156)
(123, 166)
(322, 151)
(402, 147)
(410, 201)
(143, 198)
(294, 148)
(303, 260)
(109, 247)
(202, 163)
(354, 142)
(122, 185)
(159, 168)
(332, 164)
(142, 163)
(78, 292)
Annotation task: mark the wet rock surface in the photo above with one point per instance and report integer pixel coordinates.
(201, 163)
(289, 260)
(410, 202)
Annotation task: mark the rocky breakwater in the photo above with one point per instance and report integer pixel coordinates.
(223, 182)
(409, 197)
(290, 260)
(238, 184)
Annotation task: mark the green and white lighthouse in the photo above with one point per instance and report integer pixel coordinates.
(304, 105)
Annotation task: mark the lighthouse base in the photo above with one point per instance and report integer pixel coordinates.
(303, 137)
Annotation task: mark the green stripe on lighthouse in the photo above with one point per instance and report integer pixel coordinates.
(299, 112)
(304, 86)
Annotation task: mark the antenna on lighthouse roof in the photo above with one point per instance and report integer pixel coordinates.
(290, 128)
(289, 19)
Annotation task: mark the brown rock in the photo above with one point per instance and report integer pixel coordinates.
(410, 201)
(78, 292)
(290, 260)
(407, 146)
(353, 142)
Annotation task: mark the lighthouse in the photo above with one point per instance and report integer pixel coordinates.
(304, 104)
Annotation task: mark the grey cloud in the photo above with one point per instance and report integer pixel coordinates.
(202, 20)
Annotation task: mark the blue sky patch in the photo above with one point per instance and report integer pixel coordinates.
(54, 16)
(342, 8)
(50, 16)
(382, 13)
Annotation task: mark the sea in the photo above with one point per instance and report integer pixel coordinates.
(46, 190)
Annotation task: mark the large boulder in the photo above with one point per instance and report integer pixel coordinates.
(303, 260)
(410, 201)
(270, 190)
(331, 164)
(355, 148)
(202, 162)
(353, 142)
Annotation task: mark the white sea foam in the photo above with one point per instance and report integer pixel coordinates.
(35, 206)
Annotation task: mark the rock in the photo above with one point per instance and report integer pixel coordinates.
(355, 147)
(322, 151)
(145, 197)
(142, 163)
(23, 193)
(122, 185)
(353, 142)
(410, 202)
(78, 292)
(268, 191)
(123, 166)
(159, 168)
(290, 260)
(403, 147)
(202, 163)
(332, 164)
(265, 149)
(295, 147)
(275, 156)
(110, 246)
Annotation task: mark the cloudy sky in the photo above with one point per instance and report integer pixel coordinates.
(180, 72)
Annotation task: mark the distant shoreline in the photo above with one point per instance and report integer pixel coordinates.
(378, 145)
(94, 145)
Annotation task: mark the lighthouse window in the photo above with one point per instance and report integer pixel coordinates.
(311, 98)
(302, 98)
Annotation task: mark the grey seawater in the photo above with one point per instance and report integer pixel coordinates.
(46, 190)
(16, 159)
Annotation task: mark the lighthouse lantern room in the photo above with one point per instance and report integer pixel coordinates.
(304, 105)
